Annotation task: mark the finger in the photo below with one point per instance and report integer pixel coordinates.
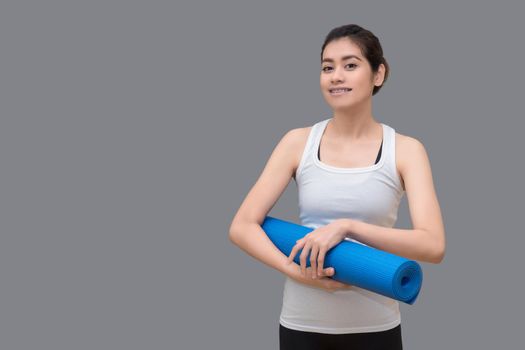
(295, 249)
(320, 260)
(303, 256)
(329, 271)
(292, 254)
(313, 259)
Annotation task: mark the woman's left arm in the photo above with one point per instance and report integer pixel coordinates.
(426, 241)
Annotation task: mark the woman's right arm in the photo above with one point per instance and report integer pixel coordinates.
(245, 230)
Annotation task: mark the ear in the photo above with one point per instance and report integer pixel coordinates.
(380, 75)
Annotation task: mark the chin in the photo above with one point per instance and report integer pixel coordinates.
(341, 104)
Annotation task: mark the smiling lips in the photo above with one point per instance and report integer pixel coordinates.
(339, 91)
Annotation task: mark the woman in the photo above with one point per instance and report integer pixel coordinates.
(344, 194)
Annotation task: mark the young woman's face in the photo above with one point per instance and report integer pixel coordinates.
(344, 67)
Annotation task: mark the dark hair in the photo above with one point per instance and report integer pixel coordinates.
(367, 42)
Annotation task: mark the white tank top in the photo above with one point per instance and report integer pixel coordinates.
(371, 194)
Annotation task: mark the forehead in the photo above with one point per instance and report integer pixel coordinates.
(341, 47)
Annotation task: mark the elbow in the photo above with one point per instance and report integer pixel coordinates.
(234, 232)
(438, 258)
(237, 230)
(438, 255)
(435, 248)
(232, 236)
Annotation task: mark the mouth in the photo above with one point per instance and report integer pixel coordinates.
(339, 91)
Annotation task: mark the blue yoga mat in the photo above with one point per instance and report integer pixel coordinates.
(355, 264)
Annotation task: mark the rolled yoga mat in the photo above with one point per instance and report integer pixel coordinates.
(354, 263)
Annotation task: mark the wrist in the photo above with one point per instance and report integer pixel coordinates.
(348, 226)
(293, 271)
(288, 269)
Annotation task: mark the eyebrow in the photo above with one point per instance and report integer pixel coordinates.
(343, 58)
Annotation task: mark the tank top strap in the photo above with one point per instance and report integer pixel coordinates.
(311, 144)
(390, 155)
(389, 146)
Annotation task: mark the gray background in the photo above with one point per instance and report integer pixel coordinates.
(131, 132)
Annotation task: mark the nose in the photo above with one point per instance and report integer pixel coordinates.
(337, 75)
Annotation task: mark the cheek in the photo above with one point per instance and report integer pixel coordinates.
(323, 84)
(364, 79)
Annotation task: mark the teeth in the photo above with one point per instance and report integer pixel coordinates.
(339, 90)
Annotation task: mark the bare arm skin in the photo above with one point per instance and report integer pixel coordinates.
(245, 230)
(426, 241)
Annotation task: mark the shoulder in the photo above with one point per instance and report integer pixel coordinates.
(408, 144)
(410, 152)
(298, 136)
(294, 141)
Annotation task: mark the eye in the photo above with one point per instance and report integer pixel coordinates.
(352, 65)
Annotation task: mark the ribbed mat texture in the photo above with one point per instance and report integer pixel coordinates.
(355, 264)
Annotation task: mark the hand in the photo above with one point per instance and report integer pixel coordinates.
(324, 283)
(319, 241)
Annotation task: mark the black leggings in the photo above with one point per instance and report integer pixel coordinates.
(291, 339)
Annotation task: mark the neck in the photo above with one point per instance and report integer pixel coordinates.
(354, 123)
